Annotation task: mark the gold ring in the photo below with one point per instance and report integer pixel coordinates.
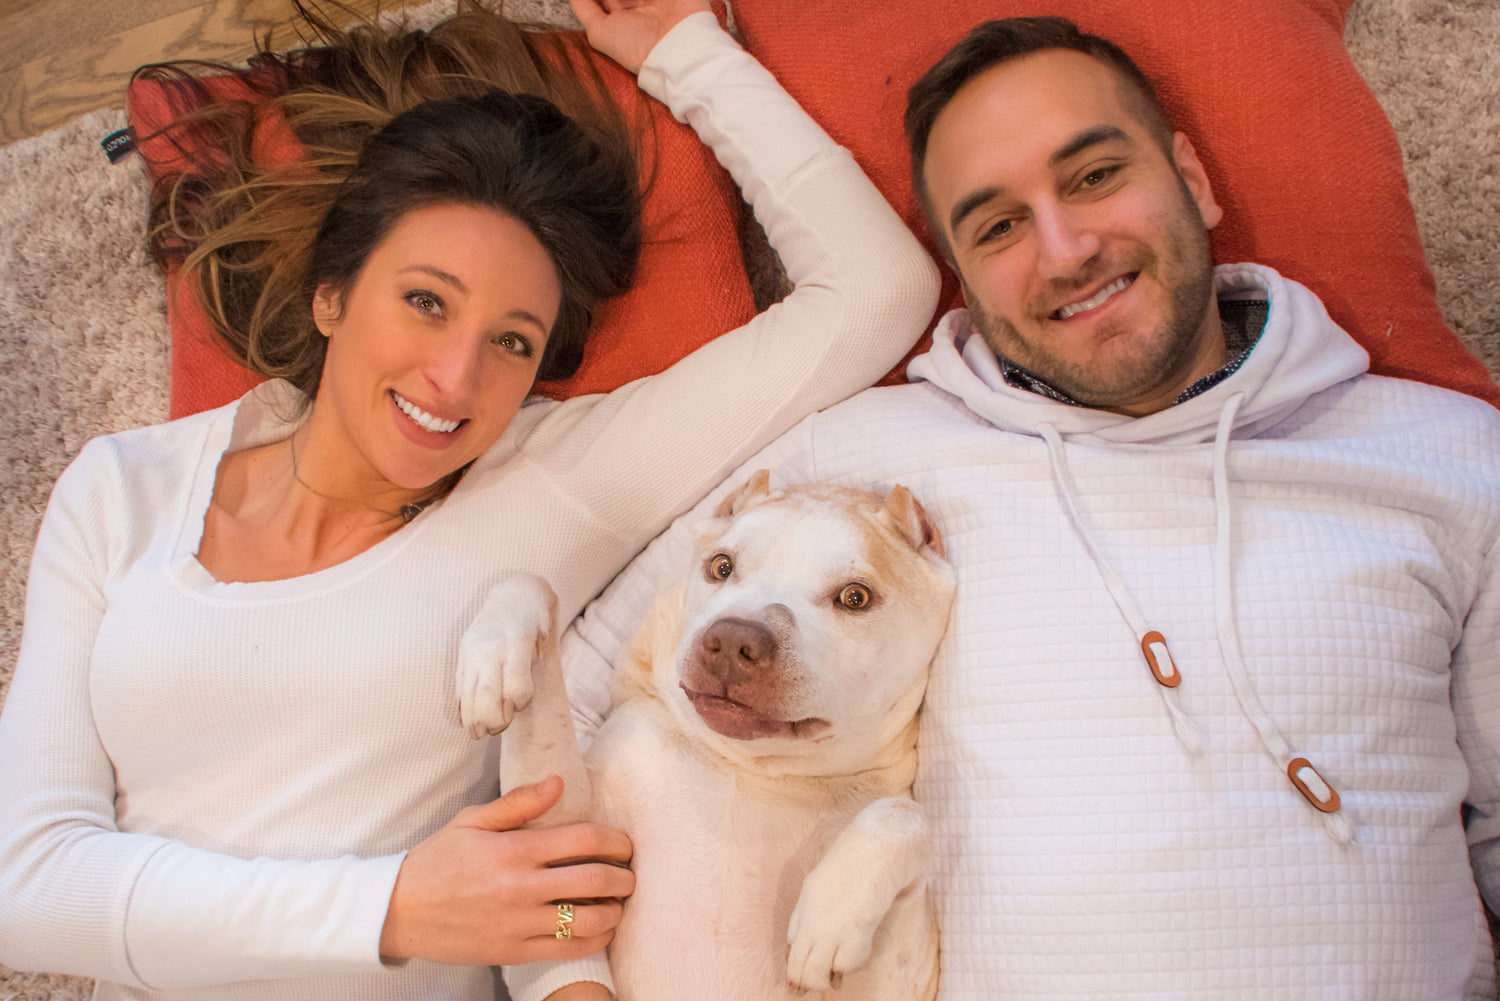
(564, 920)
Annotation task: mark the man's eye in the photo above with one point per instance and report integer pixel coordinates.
(1098, 176)
(515, 344)
(997, 231)
(425, 302)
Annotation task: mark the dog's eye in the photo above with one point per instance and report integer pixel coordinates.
(720, 567)
(854, 597)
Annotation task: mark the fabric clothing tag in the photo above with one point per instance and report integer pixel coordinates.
(118, 145)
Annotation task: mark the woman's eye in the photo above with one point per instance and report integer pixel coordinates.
(855, 597)
(720, 567)
(425, 302)
(515, 344)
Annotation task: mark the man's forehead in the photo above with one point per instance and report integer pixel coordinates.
(1036, 99)
(1026, 113)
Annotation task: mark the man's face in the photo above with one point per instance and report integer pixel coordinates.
(1082, 246)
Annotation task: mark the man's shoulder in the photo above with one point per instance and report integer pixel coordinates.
(1409, 428)
(1381, 401)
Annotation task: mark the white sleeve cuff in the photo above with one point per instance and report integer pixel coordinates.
(534, 981)
(678, 50)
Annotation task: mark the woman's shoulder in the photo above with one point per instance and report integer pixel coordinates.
(156, 441)
(138, 457)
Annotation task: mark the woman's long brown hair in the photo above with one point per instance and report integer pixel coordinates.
(243, 231)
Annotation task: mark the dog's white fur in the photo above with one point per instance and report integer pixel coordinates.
(772, 857)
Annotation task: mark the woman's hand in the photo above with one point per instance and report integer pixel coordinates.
(479, 892)
(627, 30)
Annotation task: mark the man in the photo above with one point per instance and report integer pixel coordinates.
(1222, 670)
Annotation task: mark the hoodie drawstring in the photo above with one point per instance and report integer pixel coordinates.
(1153, 645)
(1303, 776)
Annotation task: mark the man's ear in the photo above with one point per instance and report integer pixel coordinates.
(327, 308)
(1196, 178)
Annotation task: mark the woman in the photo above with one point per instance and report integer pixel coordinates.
(232, 765)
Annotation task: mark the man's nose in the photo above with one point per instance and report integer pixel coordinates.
(1065, 241)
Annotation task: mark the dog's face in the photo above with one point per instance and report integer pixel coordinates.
(808, 624)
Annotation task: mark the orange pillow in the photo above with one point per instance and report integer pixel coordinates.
(1301, 157)
(690, 286)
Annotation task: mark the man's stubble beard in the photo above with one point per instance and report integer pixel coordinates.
(1186, 274)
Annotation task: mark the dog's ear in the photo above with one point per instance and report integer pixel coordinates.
(756, 487)
(912, 521)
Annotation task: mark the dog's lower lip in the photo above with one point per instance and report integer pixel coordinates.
(737, 720)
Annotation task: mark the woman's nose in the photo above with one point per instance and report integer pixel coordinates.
(452, 364)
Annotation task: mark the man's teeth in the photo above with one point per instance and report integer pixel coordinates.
(1096, 300)
(423, 418)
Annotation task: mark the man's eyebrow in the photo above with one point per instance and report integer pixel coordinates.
(439, 274)
(970, 203)
(1083, 140)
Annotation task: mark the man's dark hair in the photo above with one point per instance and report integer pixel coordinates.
(1000, 41)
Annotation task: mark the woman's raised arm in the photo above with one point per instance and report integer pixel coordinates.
(863, 291)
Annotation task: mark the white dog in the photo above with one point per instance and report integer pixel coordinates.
(761, 751)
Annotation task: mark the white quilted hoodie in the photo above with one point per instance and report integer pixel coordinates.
(1318, 550)
(1300, 353)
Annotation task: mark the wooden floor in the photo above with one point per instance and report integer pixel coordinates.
(62, 58)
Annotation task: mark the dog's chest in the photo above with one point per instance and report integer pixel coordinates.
(718, 867)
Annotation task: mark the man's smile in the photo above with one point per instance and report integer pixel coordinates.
(1096, 300)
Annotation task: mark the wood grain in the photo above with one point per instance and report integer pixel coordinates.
(76, 56)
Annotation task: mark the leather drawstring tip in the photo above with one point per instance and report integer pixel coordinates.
(1324, 798)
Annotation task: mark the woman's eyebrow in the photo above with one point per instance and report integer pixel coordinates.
(439, 274)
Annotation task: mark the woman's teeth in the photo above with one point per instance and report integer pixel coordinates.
(423, 418)
(1097, 299)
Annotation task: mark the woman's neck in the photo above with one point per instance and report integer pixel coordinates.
(350, 488)
(297, 506)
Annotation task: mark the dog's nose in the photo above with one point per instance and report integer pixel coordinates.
(736, 648)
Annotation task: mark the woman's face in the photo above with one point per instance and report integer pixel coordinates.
(435, 344)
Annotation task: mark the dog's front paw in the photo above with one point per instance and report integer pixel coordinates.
(498, 650)
(827, 936)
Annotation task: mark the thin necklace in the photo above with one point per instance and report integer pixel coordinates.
(406, 512)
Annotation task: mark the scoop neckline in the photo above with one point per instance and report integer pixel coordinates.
(263, 428)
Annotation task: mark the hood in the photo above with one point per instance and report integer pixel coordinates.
(1300, 352)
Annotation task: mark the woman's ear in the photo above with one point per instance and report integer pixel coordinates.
(327, 308)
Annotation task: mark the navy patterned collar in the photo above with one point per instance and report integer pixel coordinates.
(1243, 321)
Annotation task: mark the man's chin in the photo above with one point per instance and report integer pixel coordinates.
(1125, 382)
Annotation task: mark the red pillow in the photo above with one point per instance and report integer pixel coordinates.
(1301, 157)
(690, 286)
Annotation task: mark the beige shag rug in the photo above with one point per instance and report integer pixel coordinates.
(83, 331)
